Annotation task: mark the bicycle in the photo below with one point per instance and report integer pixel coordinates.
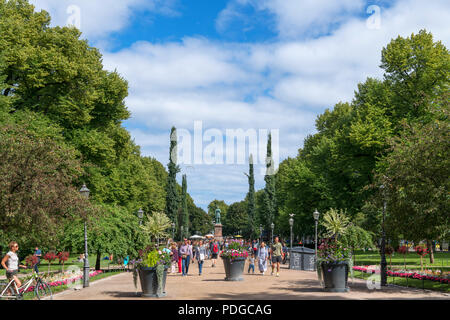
(41, 289)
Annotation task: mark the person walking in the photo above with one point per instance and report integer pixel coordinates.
(179, 258)
(11, 263)
(251, 260)
(215, 253)
(276, 253)
(263, 256)
(175, 259)
(200, 253)
(186, 254)
(38, 254)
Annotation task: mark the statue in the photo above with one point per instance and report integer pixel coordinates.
(218, 216)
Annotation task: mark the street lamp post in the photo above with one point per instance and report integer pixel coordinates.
(272, 226)
(173, 231)
(140, 215)
(291, 224)
(383, 241)
(260, 234)
(182, 233)
(84, 191)
(316, 216)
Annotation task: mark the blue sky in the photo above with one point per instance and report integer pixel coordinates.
(241, 64)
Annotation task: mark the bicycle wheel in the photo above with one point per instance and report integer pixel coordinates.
(42, 290)
(8, 293)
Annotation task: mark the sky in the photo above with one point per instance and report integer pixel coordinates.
(249, 65)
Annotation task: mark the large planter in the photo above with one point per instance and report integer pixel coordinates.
(335, 276)
(149, 282)
(234, 268)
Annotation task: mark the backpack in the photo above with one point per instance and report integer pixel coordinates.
(215, 249)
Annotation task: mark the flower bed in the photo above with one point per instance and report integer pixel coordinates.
(403, 274)
(67, 281)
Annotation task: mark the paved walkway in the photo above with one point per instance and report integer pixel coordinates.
(291, 285)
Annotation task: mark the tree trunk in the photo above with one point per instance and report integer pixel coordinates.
(431, 251)
(97, 262)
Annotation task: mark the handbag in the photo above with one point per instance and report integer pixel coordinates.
(202, 256)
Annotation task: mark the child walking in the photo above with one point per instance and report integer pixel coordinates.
(251, 266)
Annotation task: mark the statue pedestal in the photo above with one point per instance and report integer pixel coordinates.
(218, 232)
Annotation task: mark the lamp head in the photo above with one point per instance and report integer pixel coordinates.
(316, 215)
(84, 191)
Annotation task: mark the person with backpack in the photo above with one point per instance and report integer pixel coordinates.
(200, 254)
(215, 253)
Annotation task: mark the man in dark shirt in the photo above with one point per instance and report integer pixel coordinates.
(38, 254)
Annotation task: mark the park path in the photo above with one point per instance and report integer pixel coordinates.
(291, 285)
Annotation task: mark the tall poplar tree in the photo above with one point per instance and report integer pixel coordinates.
(251, 209)
(171, 189)
(269, 191)
(184, 206)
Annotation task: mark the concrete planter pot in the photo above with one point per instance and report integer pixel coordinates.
(149, 282)
(234, 269)
(335, 276)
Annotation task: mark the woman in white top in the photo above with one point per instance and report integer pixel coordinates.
(11, 263)
(263, 255)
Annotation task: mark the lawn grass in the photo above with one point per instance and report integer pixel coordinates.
(442, 260)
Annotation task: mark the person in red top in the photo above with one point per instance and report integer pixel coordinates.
(215, 253)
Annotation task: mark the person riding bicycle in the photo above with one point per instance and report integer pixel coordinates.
(11, 263)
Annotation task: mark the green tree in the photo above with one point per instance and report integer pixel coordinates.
(252, 228)
(184, 207)
(236, 219)
(415, 174)
(269, 210)
(172, 201)
(37, 174)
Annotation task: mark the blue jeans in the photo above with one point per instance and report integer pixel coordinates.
(36, 267)
(200, 267)
(251, 267)
(185, 265)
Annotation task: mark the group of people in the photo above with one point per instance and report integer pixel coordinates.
(275, 254)
(188, 252)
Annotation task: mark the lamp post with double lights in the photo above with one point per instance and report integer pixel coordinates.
(316, 216)
(84, 191)
(291, 225)
(383, 241)
(272, 226)
(140, 215)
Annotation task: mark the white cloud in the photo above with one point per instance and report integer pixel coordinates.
(100, 18)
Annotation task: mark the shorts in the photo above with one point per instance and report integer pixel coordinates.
(11, 274)
(276, 259)
(214, 256)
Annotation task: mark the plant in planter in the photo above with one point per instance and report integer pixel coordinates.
(152, 270)
(234, 260)
(333, 257)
